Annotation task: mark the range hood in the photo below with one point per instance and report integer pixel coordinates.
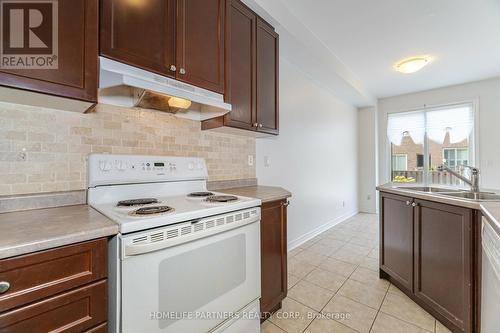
(127, 86)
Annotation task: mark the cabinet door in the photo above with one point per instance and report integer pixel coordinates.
(273, 255)
(140, 33)
(76, 75)
(267, 78)
(200, 43)
(396, 238)
(241, 66)
(443, 261)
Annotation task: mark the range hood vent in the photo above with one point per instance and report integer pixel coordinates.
(128, 86)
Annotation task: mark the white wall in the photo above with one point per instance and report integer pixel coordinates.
(367, 159)
(314, 157)
(486, 92)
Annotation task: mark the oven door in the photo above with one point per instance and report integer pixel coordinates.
(193, 286)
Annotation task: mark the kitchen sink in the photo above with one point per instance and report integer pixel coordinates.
(429, 189)
(479, 196)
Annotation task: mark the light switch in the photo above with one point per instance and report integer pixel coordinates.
(250, 160)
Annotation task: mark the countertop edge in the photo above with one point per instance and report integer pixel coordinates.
(494, 220)
(430, 197)
(243, 191)
(52, 243)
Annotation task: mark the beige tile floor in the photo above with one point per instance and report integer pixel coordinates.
(333, 286)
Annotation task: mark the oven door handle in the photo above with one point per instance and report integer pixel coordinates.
(131, 249)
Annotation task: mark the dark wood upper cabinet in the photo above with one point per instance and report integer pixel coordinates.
(76, 75)
(241, 69)
(273, 255)
(183, 39)
(252, 63)
(443, 268)
(396, 238)
(200, 43)
(140, 33)
(267, 78)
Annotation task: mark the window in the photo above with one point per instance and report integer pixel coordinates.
(400, 162)
(455, 157)
(445, 132)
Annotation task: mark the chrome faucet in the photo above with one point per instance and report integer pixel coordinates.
(473, 182)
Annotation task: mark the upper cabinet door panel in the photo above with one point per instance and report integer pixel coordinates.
(267, 78)
(241, 63)
(76, 73)
(200, 43)
(140, 33)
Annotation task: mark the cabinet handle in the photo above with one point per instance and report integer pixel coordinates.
(408, 202)
(414, 204)
(4, 286)
(285, 204)
(260, 125)
(173, 68)
(182, 71)
(255, 125)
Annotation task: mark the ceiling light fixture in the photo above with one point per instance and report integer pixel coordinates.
(412, 65)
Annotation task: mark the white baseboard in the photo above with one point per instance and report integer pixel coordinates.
(322, 228)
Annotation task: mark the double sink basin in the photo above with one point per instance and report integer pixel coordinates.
(461, 194)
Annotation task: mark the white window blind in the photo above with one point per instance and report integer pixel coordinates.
(457, 120)
(403, 124)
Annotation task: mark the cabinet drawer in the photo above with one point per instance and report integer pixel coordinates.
(73, 311)
(35, 276)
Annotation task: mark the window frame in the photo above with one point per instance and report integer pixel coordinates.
(455, 149)
(400, 155)
(473, 138)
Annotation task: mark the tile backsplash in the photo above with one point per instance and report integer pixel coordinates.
(45, 150)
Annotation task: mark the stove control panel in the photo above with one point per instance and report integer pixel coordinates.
(109, 169)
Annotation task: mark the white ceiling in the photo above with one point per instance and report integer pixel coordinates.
(369, 36)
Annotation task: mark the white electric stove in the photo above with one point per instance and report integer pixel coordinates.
(186, 259)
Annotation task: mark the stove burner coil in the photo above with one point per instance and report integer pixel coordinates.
(221, 198)
(200, 194)
(152, 210)
(137, 202)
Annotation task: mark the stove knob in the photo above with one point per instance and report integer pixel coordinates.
(105, 166)
(191, 166)
(200, 166)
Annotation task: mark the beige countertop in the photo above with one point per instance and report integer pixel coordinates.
(264, 193)
(34, 230)
(401, 190)
(492, 212)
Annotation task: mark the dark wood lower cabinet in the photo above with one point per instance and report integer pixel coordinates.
(396, 239)
(274, 256)
(429, 250)
(73, 311)
(443, 257)
(57, 290)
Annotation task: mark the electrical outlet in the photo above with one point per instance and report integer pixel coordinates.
(250, 160)
(267, 161)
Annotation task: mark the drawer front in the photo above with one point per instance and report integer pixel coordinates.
(74, 311)
(43, 274)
